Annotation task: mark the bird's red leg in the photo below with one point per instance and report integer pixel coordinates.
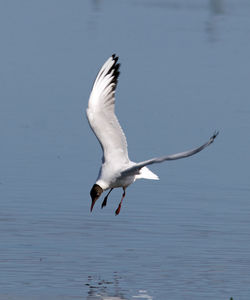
(104, 203)
(120, 204)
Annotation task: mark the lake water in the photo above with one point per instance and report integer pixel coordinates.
(185, 72)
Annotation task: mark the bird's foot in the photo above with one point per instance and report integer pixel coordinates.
(118, 210)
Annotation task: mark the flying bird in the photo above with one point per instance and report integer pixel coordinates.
(117, 170)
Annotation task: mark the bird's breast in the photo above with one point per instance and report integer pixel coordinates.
(122, 181)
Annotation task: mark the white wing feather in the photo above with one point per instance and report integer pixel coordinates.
(135, 169)
(101, 113)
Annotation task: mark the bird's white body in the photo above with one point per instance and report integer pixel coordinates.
(117, 170)
(110, 176)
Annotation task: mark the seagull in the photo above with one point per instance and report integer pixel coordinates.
(117, 170)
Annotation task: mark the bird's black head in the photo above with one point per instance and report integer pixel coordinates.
(95, 193)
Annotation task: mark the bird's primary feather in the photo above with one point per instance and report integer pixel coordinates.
(101, 113)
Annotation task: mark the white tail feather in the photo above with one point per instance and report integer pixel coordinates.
(146, 174)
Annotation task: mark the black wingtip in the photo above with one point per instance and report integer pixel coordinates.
(214, 135)
(115, 57)
(115, 68)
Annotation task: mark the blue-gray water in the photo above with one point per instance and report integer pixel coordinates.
(185, 72)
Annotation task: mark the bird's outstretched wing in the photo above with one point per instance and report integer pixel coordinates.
(101, 113)
(135, 169)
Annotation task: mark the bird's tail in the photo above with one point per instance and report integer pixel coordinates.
(147, 174)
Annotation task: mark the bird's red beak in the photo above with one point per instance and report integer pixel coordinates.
(92, 204)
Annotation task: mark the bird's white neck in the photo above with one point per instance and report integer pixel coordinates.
(102, 184)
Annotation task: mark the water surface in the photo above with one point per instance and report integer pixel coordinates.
(185, 72)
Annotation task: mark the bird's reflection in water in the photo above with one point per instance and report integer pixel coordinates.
(100, 289)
